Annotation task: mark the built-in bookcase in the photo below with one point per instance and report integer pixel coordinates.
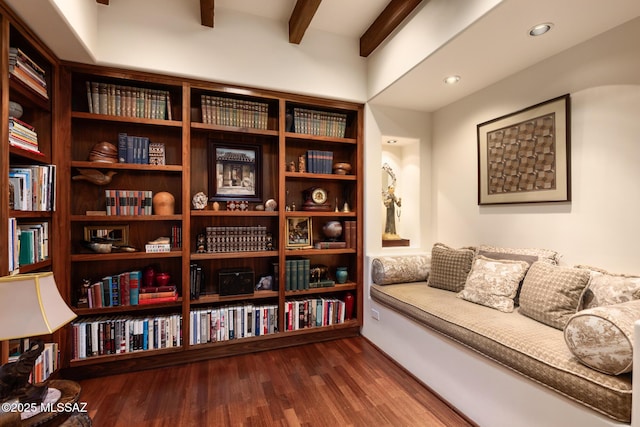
(206, 122)
(28, 163)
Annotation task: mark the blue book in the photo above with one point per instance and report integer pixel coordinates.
(135, 277)
(122, 148)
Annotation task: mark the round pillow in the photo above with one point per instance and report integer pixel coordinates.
(388, 270)
(602, 337)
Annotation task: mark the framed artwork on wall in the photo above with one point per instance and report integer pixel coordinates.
(523, 157)
(234, 172)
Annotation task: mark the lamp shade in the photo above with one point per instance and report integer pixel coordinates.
(30, 305)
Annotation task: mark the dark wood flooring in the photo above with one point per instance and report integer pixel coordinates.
(346, 382)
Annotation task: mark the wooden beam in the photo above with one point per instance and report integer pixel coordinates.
(395, 12)
(206, 12)
(103, 2)
(301, 18)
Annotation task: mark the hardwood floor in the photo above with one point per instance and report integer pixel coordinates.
(346, 382)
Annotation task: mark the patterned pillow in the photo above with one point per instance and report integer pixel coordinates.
(494, 283)
(606, 288)
(602, 337)
(450, 267)
(550, 294)
(400, 269)
(513, 254)
(547, 255)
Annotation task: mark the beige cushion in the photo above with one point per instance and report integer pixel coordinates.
(606, 288)
(450, 267)
(550, 294)
(388, 270)
(602, 337)
(494, 283)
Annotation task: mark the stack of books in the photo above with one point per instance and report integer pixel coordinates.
(157, 294)
(27, 71)
(321, 123)
(313, 312)
(319, 161)
(217, 110)
(95, 336)
(236, 239)
(127, 101)
(33, 187)
(129, 202)
(23, 135)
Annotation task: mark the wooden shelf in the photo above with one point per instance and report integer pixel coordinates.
(114, 256)
(126, 166)
(233, 255)
(124, 218)
(319, 176)
(215, 298)
(307, 137)
(238, 214)
(349, 286)
(123, 356)
(125, 119)
(132, 309)
(243, 130)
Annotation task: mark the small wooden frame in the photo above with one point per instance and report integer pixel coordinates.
(299, 232)
(117, 235)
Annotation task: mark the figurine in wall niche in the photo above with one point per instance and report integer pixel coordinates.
(390, 201)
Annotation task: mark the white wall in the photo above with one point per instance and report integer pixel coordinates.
(241, 49)
(599, 226)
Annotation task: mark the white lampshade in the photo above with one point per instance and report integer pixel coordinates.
(31, 305)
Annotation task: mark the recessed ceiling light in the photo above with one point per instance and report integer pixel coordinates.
(451, 80)
(392, 141)
(540, 29)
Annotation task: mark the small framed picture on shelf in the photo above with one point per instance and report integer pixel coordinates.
(299, 232)
(235, 172)
(117, 235)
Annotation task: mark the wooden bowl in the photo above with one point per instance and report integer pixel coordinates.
(341, 168)
(104, 152)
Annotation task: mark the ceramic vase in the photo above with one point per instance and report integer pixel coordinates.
(341, 275)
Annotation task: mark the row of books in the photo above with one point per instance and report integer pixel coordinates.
(23, 135)
(14, 245)
(313, 312)
(196, 281)
(129, 202)
(321, 123)
(127, 101)
(95, 336)
(176, 237)
(46, 363)
(33, 187)
(225, 323)
(139, 150)
(237, 238)
(217, 110)
(27, 71)
(33, 240)
(125, 289)
(319, 161)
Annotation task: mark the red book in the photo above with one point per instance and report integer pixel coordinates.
(151, 289)
(157, 300)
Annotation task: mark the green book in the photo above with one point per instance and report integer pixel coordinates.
(300, 275)
(27, 254)
(288, 275)
(307, 272)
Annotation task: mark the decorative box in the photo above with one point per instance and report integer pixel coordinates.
(235, 281)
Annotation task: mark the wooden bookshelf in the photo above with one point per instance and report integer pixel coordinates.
(187, 140)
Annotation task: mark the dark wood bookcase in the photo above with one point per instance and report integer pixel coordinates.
(188, 136)
(40, 112)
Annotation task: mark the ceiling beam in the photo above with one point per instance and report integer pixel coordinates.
(301, 18)
(395, 12)
(206, 12)
(103, 2)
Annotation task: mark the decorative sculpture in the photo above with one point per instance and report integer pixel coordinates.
(391, 202)
(14, 377)
(94, 176)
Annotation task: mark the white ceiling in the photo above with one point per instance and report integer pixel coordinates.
(494, 47)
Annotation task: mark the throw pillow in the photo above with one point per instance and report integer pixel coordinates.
(494, 283)
(388, 270)
(547, 255)
(602, 337)
(514, 254)
(450, 267)
(550, 293)
(606, 288)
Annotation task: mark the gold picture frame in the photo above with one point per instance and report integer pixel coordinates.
(523, 157)
(117, 235)
(299, 232)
